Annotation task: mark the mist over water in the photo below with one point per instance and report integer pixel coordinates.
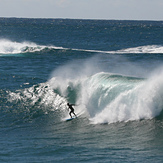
(100, 95)
(111, 70)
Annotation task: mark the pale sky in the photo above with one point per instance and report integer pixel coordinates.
(83, 9)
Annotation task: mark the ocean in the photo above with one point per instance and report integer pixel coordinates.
(112, 70)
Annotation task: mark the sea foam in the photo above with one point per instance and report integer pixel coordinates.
(13, 47)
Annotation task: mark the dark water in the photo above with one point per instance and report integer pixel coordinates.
(111, 70)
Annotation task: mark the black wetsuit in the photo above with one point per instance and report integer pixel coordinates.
(72, 109)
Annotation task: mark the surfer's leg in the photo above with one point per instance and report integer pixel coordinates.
(75, 114)
(70, 114)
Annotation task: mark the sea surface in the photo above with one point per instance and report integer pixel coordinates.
(111, 70)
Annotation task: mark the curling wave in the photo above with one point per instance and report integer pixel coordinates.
(102, 97)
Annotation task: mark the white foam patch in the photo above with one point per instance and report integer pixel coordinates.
(12, 47)
(143, 49)
(138, 50)
(142, 102)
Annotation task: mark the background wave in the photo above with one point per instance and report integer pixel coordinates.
(138, 50)
(11, 47)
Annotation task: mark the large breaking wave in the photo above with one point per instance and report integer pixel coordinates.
(102, 97)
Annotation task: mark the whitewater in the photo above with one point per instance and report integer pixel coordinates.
(102, 97)
(111, 70)
(10, 47)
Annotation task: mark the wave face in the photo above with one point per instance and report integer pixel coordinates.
(11, 47)
(126, 99)
(101, 97)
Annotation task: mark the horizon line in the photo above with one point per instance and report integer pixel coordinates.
(7, 17)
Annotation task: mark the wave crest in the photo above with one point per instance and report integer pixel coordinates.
(128, 99)
(143, 49)
(103, 97)
(11, 47)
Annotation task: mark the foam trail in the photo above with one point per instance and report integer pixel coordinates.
(37, 99)
(143, 49)
(138, 50)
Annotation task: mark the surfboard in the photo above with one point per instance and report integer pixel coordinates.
(69, 119)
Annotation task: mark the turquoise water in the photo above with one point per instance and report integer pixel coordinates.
(111, 70)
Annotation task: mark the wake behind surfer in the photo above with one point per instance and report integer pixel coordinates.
(71, 109)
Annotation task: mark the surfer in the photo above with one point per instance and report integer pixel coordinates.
(71, 109)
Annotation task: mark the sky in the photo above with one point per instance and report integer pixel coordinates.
(83, 9)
